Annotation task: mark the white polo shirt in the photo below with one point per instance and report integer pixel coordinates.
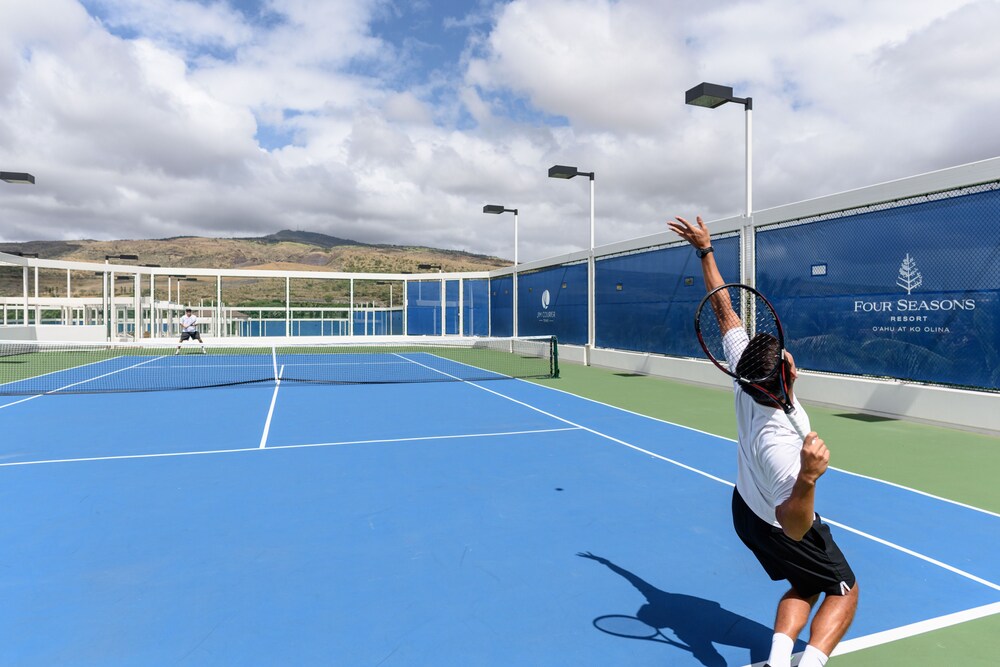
(769, 446)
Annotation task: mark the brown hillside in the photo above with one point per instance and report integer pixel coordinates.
(274, 252)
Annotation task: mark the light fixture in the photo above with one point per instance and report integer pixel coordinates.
(17, 177)
(712, 96)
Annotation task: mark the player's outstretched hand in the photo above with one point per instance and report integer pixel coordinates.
(815, 457)
(696, 235)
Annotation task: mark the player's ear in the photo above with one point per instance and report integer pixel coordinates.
(789, 362)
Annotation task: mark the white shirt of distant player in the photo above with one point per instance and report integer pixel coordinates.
(188, 323)
(768, 443)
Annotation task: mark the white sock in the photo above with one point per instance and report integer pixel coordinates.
(781, 650)
(813, 657)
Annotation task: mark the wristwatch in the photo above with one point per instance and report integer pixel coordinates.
(701, 252)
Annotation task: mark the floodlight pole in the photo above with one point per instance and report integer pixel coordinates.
(712, 95)
(561, 171)
(497, 209)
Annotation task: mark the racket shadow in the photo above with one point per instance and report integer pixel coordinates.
(697, 624)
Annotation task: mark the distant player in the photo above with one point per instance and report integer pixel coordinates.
(189, 329)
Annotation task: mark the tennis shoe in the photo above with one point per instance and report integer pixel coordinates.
(203, 350)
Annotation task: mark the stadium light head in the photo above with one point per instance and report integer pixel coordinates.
(132, 257)
(497, 209)
(712, 96)
(562, 171)
(26, 254)
(17, 177)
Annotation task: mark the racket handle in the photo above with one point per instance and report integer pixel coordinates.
(795, 419)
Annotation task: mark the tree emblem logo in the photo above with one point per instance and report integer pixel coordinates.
(909, 277)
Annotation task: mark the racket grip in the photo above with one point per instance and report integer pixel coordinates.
(795, 419)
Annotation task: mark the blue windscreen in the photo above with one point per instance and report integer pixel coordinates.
(476, 307)
(553, 302)
(451, 306)
(646, 301)
(502, 306)
(371, 322)
(423, 308)
(909, 292)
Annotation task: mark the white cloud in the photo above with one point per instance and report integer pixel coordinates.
(145, 122)
(184, 23)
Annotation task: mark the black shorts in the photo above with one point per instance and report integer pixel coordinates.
(813, 565)
(193, 335)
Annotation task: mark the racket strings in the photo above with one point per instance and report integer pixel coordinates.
(761, 360)
(709, 318)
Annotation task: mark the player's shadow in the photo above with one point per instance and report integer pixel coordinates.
(696, 623)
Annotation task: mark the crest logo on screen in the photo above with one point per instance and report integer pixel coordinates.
(909, 275)
(546, 315)
(912, 314)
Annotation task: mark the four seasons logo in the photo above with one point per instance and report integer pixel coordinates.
(912, 314)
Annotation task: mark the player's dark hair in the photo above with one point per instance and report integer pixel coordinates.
(759, 364)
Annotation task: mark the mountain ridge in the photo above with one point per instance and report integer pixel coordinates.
(293, 250)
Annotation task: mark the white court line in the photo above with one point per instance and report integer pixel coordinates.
(904, 631)
(859, 643)
(272, 448)
(575, 425)
(270, 411)
(915, 554)
(918, 492)
(96, 377)
(721, 437)
(61, 370)
(878, 540)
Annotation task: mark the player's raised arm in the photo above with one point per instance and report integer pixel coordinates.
(699, 237)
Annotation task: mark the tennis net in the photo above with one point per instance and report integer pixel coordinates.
(38, 367)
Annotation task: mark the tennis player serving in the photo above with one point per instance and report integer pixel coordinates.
(777, 472)
(189, 330)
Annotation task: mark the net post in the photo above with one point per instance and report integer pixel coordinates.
(274, 362)
(554, 357)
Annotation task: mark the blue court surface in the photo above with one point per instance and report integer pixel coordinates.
(457, 523)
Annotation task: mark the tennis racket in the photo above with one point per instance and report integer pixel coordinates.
(762, 366)
(631, 627)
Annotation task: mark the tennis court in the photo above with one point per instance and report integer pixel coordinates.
(486, 522)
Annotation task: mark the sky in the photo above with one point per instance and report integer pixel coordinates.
(394, 122)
